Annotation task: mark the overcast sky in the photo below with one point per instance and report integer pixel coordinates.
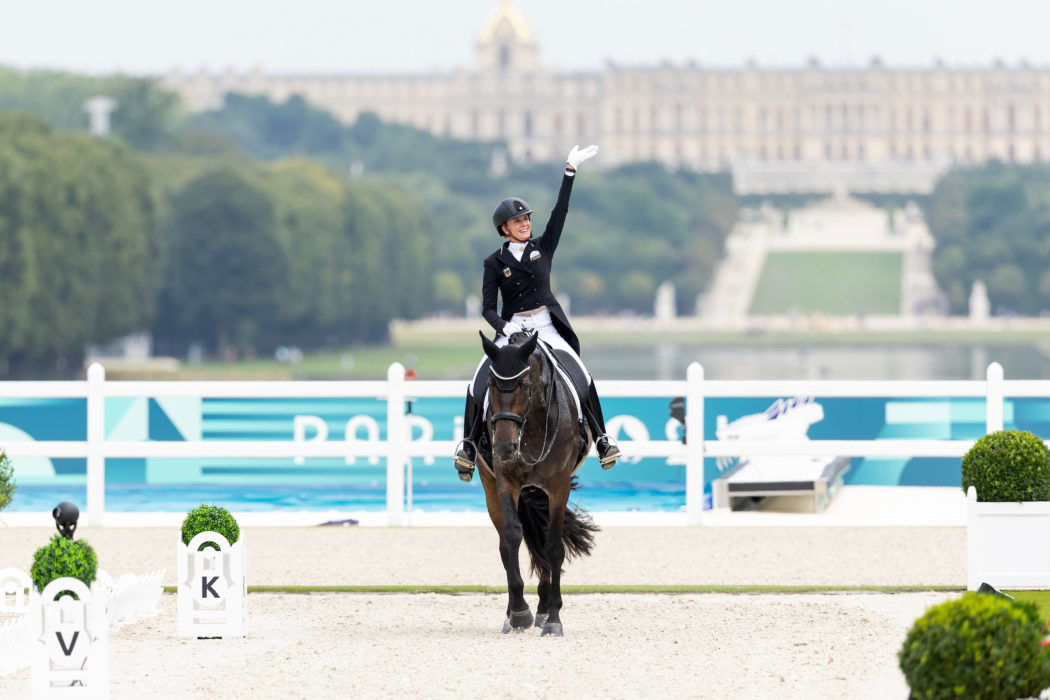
(385, 36)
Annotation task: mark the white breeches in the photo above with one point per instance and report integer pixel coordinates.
(541, 322)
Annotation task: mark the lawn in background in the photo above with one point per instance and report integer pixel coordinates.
(838, 283)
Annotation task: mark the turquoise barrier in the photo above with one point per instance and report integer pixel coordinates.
(324, 482)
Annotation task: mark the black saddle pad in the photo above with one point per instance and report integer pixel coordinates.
(572, 368)
(481, 381)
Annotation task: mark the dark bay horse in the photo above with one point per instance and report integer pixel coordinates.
(533, 428)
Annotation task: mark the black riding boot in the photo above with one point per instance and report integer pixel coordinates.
(468, 453)
(606, 447)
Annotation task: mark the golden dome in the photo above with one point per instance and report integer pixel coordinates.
(506, 16)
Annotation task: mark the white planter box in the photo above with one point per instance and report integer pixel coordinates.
(1007, 544)
(69, 654)
(212, 588)
(14, 583)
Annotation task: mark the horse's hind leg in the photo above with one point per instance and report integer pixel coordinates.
(556, 556)
(544, 589)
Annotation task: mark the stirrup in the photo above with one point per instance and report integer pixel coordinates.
(612, 452)
(464, 464)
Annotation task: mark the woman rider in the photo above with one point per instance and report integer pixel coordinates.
(520, 272)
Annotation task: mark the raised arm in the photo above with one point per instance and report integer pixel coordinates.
(552, 233)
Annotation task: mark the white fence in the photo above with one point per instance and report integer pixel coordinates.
(396, 391)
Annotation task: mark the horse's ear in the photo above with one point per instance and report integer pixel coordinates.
(490, 348)
(529, 345)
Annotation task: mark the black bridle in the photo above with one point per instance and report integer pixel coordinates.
(510, 384)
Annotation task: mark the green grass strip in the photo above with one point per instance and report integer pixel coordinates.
(1040, 598)
(456, 590)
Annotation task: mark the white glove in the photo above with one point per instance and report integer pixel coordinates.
(577, 155)
(511, 327)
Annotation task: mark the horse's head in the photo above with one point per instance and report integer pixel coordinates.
(510, 392)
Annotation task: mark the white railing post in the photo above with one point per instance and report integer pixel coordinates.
(396, 430)
(96, 444)
(694, 444)
(993, 401)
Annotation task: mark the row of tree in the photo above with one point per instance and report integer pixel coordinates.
(79, 243)
(993, 224)
(95, 244)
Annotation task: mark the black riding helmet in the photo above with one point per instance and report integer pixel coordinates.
(507, 210)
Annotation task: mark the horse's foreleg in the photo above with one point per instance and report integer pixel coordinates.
(518, 614)
(556, 557)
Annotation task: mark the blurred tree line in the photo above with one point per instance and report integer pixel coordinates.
(993, 224)
(265, 224)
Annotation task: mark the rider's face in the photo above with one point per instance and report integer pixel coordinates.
(519, 229)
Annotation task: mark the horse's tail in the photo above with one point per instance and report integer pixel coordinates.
(577, 532)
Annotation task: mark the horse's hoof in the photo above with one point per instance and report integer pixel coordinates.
(540, 619)
(517, 620)
(553, 629)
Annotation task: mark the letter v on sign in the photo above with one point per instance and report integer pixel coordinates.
(62, 642)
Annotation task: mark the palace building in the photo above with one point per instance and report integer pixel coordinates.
(810, 128)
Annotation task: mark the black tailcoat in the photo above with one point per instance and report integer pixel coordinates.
(526, 284)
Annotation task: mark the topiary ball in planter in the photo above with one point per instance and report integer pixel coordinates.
(978, 646)
(210, 518)
(63, 557)
(1008, 465)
